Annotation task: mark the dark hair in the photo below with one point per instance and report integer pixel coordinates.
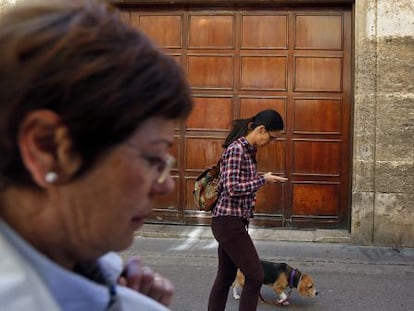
(78, 59)
(270, 119)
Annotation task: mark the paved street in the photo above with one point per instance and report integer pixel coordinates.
(348, 277)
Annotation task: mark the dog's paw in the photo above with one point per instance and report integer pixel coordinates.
(283, 299)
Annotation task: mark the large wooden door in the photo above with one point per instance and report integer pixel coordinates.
(242, 60)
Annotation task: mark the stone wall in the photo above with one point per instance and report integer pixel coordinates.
(383, 171)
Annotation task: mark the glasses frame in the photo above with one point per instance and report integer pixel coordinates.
(166, 164)
(271, 137)
(169, 163)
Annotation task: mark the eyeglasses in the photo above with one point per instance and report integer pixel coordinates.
(163, 165)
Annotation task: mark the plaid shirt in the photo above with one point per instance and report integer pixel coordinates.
(239, 180)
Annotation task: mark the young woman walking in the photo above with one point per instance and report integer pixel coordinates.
(239, 182)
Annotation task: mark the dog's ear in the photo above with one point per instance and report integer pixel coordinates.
(281, 283)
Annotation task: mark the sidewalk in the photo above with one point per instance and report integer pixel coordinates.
(258, 234)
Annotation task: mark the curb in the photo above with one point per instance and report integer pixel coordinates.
(259, 234)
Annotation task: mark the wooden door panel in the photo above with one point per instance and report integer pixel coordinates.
(267, 72)
(271, 158)
(318, 74)
(315, 200)
(167, 34)
(206, 110)
(202, 152)
(275, 25)
(210, 71)
(270, 199)
(316, 158)
(209, 31)
(317, 116)
(319, 32)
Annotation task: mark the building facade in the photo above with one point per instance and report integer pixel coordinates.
(369, 193)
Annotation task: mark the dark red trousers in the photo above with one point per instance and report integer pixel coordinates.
(235, 250)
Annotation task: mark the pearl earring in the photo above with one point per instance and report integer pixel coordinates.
(51, 177)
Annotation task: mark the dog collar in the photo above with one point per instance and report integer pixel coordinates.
(294, 278)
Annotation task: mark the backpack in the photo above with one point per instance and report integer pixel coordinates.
(206, 188)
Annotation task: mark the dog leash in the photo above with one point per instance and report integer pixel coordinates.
(292, 278)
(245, 221)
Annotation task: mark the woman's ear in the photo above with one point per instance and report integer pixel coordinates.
(45, 147)
(260, 129)
(69, 160)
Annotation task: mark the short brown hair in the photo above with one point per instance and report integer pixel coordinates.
(79, 59)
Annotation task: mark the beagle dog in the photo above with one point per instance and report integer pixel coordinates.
(280, 276)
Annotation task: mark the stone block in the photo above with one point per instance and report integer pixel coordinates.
(394, 214)
(395, 66)
(395, 129)
(363, 176)
(362, 222)
(394, 177)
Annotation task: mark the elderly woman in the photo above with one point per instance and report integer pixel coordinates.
(88, 108)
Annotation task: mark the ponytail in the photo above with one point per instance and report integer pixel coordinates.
(240, 128)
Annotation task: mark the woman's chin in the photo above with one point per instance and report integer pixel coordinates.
(128, 237)
(136, 223)
(125, 243)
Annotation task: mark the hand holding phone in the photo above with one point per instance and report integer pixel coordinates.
(273, 178)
